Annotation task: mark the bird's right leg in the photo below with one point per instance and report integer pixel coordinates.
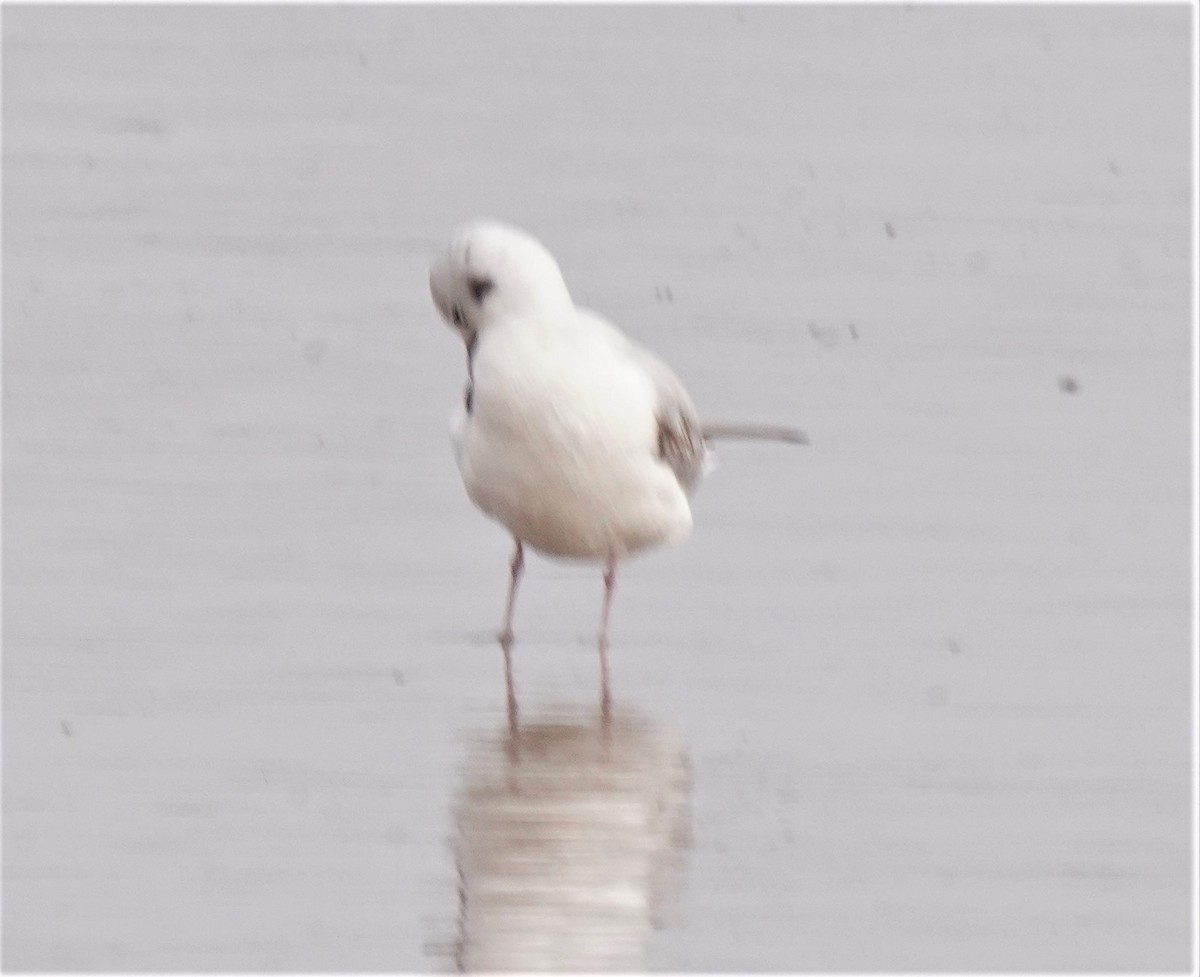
(517, 566)
(506, 635)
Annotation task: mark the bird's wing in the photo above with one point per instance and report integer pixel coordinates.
(680, 439)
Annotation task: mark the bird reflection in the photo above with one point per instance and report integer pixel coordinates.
(569, 843)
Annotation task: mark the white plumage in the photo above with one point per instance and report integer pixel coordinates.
(560, 443)
(580, 442)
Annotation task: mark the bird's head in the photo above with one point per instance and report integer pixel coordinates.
(489, 271)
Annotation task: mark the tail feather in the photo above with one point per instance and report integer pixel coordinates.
(754, 432)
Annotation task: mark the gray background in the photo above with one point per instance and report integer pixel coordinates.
(932, 674)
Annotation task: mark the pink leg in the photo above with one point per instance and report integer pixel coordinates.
(517, 566)
(610, 586)
(506, 636)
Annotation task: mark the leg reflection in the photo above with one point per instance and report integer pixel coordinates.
(506, 645)
(570, 840)
(610, 586)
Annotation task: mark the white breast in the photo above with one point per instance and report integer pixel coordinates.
(561, 444)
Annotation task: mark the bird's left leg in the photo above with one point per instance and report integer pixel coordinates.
(516, 567)
(506, 636)
(610, 586)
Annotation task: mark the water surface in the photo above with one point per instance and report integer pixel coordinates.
(930, 675)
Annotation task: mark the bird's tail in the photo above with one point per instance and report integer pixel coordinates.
(754, 432)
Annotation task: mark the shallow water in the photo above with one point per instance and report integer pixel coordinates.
(928, 678)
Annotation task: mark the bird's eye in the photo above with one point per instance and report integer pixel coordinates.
(457, 316)
(480, 288)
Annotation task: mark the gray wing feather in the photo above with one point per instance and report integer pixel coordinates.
(680, 441)
(680, 438)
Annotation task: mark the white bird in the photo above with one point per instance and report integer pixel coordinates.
(580, 442)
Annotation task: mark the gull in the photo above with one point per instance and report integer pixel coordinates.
(580, 442)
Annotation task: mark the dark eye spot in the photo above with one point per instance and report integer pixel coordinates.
(480, 288)
(457, 316)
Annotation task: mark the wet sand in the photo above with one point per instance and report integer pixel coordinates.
(929, 677)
